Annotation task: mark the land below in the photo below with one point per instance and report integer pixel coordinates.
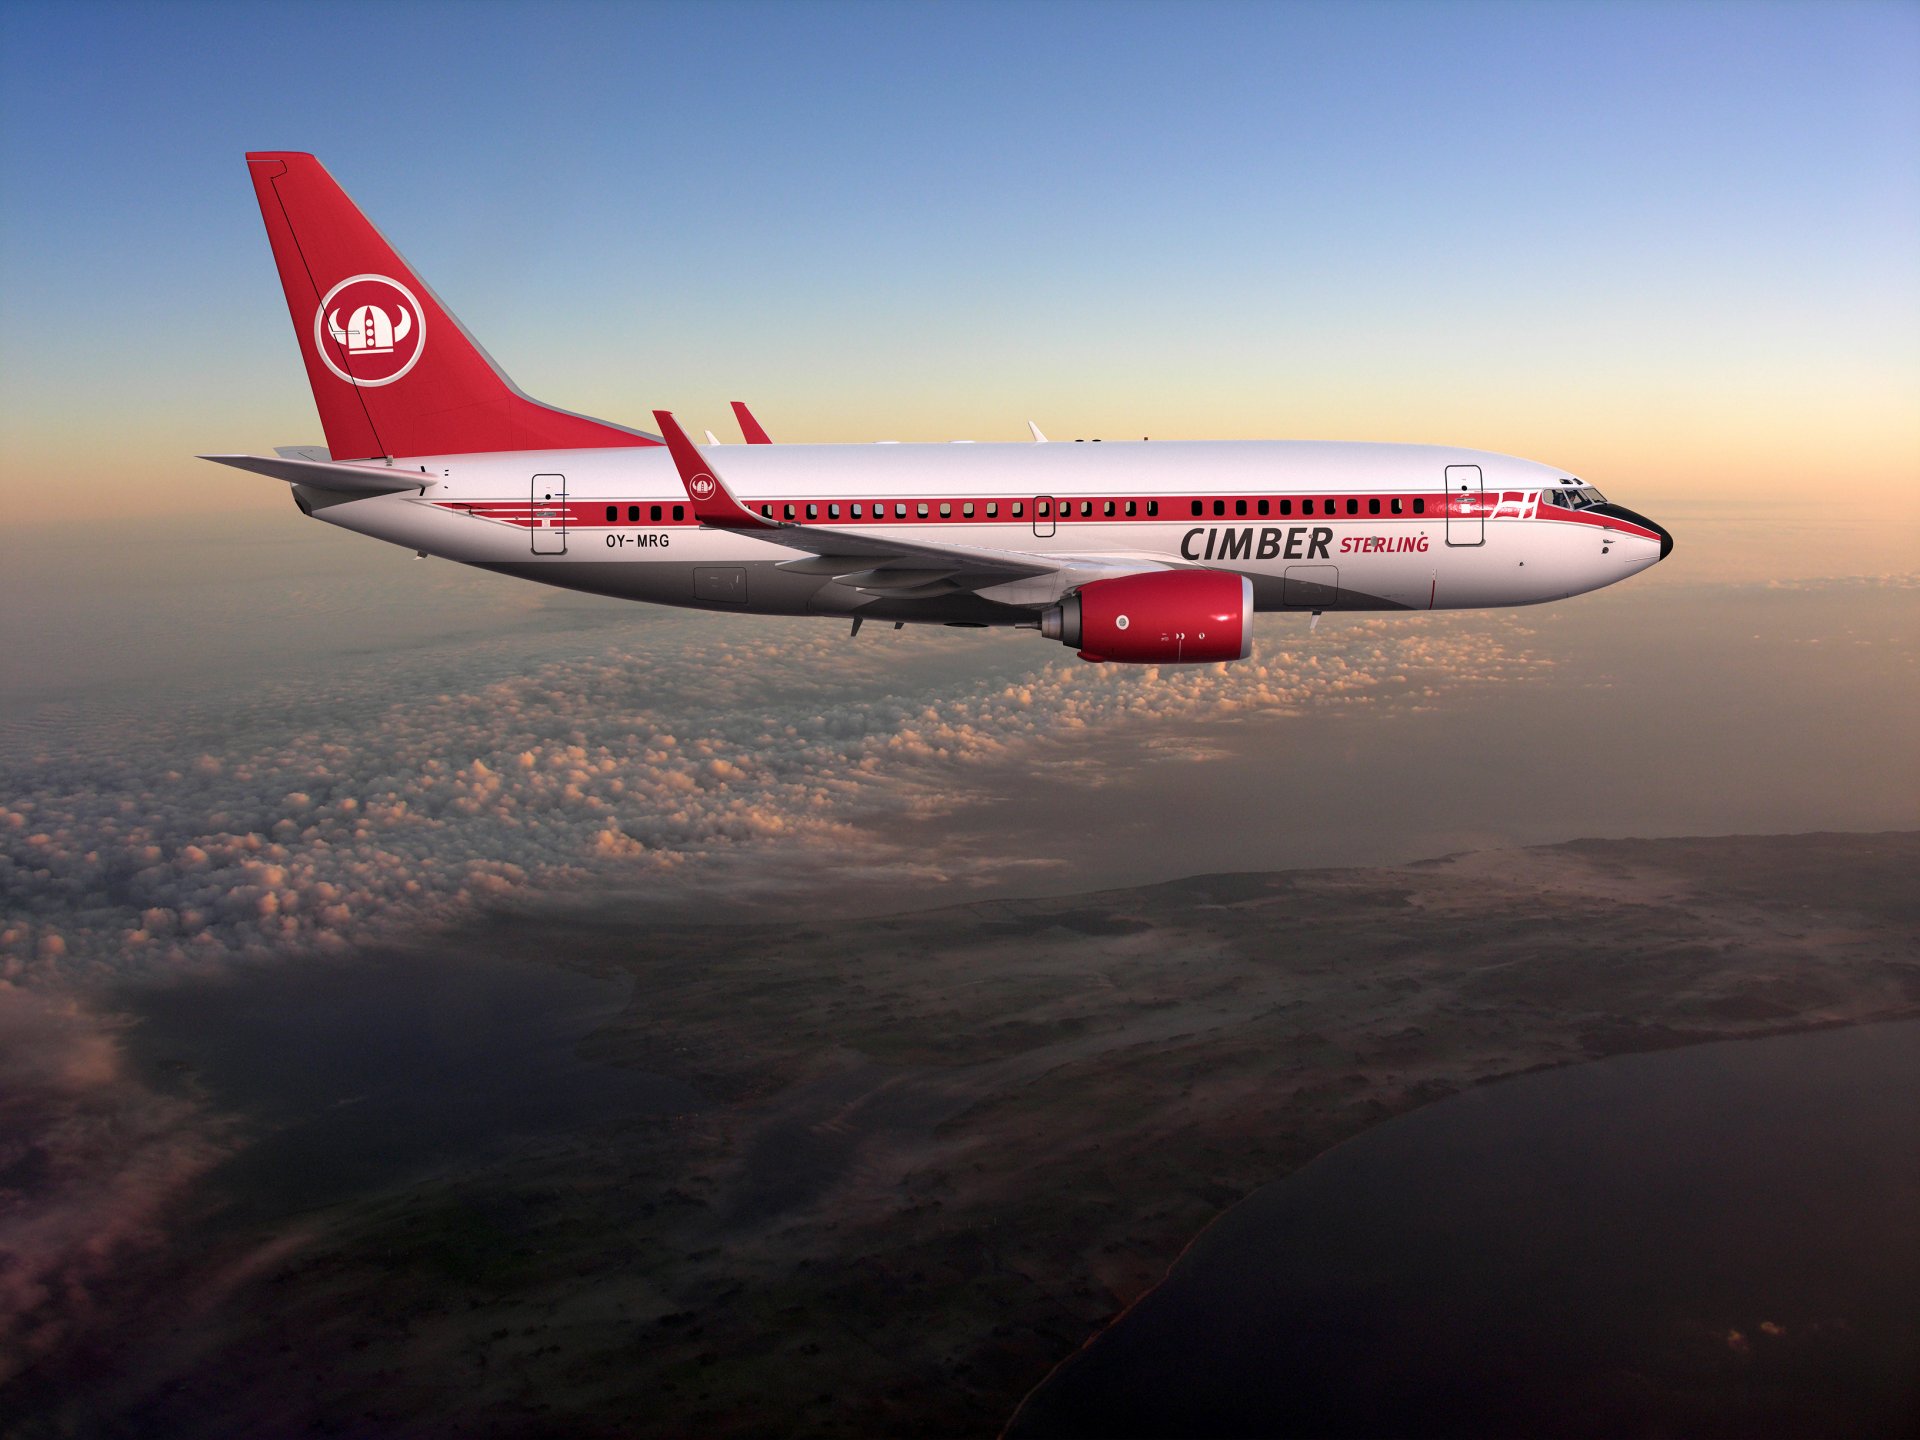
(934, 1152)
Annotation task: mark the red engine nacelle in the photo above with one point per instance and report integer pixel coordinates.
(1161, 617)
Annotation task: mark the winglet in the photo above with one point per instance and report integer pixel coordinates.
(713, 503)
(1038, 438)
(749, 426)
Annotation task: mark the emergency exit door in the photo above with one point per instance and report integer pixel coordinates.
(549, 511)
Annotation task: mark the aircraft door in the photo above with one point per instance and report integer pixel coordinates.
(549, 512)
(1466, 515)
(1042, 516)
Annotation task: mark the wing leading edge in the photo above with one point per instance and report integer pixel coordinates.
(878, 564)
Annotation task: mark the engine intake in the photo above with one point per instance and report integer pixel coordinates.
(1160, 617)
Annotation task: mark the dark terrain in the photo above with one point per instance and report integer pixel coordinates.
(934, 1152)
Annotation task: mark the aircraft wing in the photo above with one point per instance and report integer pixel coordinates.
(326, 474)
(751, 428)
(878, 564)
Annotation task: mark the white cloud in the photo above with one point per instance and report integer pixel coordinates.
(625, 761)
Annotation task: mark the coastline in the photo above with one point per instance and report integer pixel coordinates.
(1208, 1233)
(938, 1151)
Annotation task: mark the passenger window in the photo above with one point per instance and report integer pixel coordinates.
(854, 509)
(966, 510)
(1019, 508)
(788, 509)
(1107, 509)
(633, 514)
(993, 509)
(1086, 509)
(833, 512)
(1153, 507)
(1263, 507)
(1306, 507)
(1132, 509)
(813, 512)
(1239, 507)
(613, 513)
(1396, 505)
(1197, 508)
(1041, 508)
(1353, 507)
(1219, 507)
(1373, 507)
(1286, 507)
(1419, 506)
(946, 512)
(656, 513)
(679, 512)
(920, 511)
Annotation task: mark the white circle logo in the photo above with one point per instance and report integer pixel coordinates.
(369, 330)
(1121, 622)
(702, 487)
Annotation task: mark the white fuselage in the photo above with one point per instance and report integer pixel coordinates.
(1412, 526)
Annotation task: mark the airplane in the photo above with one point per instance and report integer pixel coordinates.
(750, 429)
(1145, 552)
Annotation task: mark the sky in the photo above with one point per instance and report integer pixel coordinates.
(1674, 249)
(1670, 248)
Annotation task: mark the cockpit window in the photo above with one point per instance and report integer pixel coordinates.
(1577, 497)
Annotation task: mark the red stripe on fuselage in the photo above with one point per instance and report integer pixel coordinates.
(1178, 509)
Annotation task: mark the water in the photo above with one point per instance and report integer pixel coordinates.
(1719, 1240)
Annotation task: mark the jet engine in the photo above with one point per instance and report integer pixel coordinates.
(1159, 617)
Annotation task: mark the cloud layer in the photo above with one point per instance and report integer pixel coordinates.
(625, 763)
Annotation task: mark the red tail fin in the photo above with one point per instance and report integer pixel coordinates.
(750, 428)
(392, 371)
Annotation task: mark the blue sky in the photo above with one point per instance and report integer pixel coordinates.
(1621, 231)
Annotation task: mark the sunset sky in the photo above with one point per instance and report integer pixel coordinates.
(1671, 248)
(1674, 249)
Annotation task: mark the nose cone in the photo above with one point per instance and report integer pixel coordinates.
(1633, 517)
(1666, 538)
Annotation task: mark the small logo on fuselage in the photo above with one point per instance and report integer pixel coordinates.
(369, 330)
(702, 487)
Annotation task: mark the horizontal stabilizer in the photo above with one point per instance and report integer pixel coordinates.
(327, 475)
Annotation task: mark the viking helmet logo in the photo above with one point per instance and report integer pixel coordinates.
(369, 330)
(702, 487)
